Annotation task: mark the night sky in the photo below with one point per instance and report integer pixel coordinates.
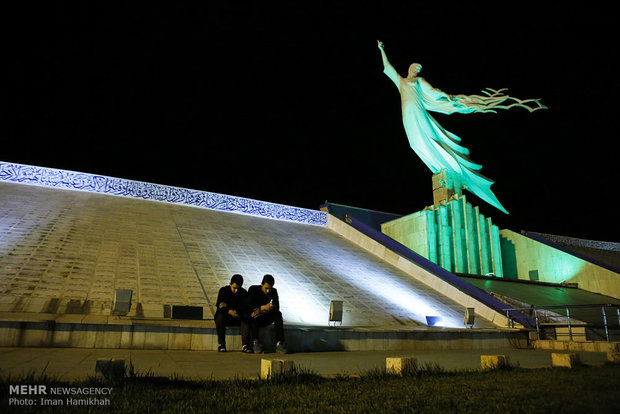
(286, 102)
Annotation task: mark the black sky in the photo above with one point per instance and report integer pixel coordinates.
(286, 102)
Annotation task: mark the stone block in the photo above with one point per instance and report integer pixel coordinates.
(401, 365)
(493, 361)
(564, 360)
(613, 356)
(269, 367)
(110, 369)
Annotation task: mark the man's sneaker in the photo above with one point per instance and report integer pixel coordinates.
(247, 349)
(258, 348)
(280, 348)
(221, 348)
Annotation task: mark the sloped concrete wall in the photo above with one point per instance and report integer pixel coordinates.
(553, 265)
(65, 252)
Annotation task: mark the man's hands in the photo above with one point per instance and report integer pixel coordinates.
(380, 44)
(263, 309)
(231, 312)
(257, 312)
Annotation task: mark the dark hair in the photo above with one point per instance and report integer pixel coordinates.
(238, 279)
(268, 279)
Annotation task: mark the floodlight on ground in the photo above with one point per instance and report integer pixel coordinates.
(122, 301)
(335, 312)
(433, 321)
(186, 312)
(469, 317)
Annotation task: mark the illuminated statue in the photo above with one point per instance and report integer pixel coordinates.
(438, 148)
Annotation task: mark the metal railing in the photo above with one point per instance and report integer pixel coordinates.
(536, 309)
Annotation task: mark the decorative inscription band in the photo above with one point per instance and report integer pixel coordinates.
(50, 177)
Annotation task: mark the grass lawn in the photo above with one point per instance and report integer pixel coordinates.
(585, 389)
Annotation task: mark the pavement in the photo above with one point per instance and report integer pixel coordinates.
(79, 363)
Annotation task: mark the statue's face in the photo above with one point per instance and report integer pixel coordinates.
(414, 69)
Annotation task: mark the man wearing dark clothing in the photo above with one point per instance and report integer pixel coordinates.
(265, 310)
(232, 304)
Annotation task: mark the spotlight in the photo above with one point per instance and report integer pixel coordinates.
(469, 317)
(433, 320)
(335, 312)
(122, 301)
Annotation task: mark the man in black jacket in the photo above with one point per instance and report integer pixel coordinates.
(232, 306)
(265, 310)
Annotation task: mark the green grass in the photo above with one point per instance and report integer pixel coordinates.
(428, 389)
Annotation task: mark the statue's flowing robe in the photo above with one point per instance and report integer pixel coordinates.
(438, 148)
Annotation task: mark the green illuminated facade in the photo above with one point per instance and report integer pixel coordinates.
(454, 235)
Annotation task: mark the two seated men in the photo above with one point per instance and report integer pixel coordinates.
(255, 308)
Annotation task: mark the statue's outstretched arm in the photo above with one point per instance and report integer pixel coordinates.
(383, 55)
(388, 69)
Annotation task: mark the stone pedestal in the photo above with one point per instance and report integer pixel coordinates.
(401, 366)
(110, 369)
(269, 367)
(613, 356)
(493, 361)
(564, 360)
(445, 186)
(454, 235)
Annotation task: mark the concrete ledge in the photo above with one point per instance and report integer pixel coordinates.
(201, 335)
(578, 346)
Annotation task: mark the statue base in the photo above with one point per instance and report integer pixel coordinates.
(451, 233)
(446, 186)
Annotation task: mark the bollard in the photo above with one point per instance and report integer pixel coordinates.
(401, 366)
(564, 360)
(493, 361)
(110, 369)
(613, 356)
(269, 367)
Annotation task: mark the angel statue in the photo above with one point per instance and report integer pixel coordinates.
(439, 149)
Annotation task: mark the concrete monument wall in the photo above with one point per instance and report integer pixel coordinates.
(454, 235)
(529, 259)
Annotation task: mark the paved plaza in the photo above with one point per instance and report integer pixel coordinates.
(75, 363)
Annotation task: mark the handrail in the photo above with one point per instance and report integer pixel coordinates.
(609, 305)
(535, 308)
